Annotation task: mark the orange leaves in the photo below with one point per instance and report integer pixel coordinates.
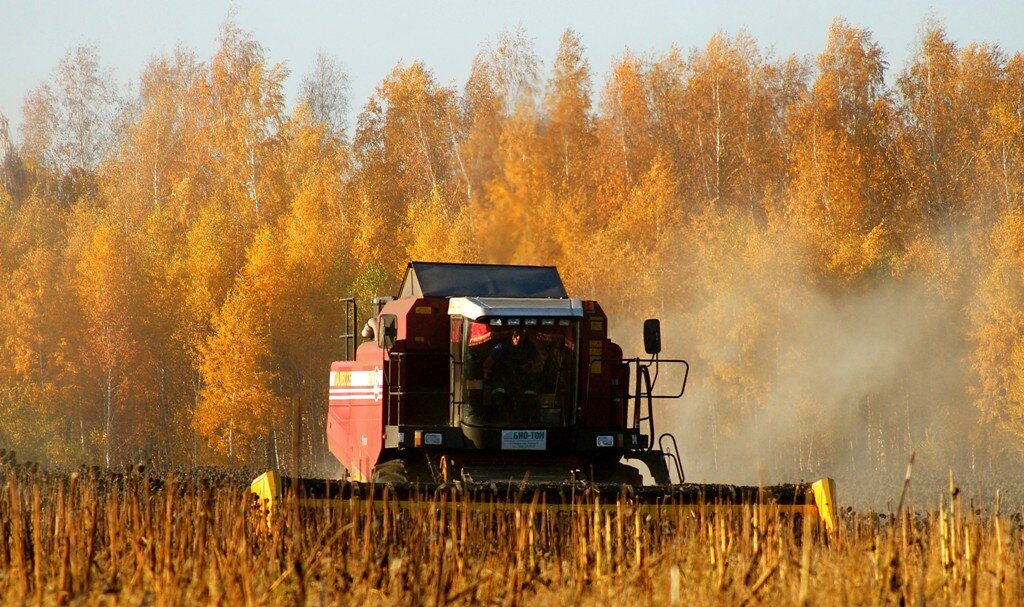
(1002, 140)
(998, 327)
(838, 193)
(106, 283)
(568, 101)
(32, 345)
(624, 135)
(438, 231)
(952, 96)
(237, 406)
(518, 193)
(405, 149)
(410, 136)
(201, 258)
(233, 112)
(640, 241)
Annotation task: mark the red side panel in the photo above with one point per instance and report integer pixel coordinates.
(419, 364)
(356, 412)
(602, 375)
(423, 322)
(354, 425)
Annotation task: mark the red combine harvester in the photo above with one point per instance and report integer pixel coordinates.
(480, 375)
(492, 373)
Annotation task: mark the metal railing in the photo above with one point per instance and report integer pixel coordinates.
(455, 378)
(672, 455)
(642, 397)
(348, 335)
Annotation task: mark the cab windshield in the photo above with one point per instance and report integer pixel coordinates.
(518, 373)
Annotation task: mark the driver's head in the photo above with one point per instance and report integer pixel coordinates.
(517, 337)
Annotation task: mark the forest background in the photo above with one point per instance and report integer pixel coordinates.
(837, 248)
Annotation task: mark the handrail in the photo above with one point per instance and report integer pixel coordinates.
(667, 361)
(454, 375)
(642, 393)
(642, 362)
(673, 454)
(351, 320)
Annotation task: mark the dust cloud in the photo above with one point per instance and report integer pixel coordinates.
(799, 381)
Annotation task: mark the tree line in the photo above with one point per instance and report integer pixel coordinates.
(172, 259)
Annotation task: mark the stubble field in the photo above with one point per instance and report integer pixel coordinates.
(138, 537)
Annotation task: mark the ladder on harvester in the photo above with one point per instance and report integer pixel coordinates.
(643, 414)
(348, 336)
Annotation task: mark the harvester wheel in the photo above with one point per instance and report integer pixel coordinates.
(617, 473)
(402, 470)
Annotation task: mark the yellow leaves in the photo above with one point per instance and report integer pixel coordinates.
(997, 315)
(207, 263)
(212, 190)
(624, 133)
(29, 316)
(517, 191)
(409, 135)
(1003, 142)
(849, 256)
(949, 94)
(720, 186)
(569, 89)
(7, 225)
(568, 130)
(638, 241)
(237, 106)
(101, 271)
(840, 190)
(5, 204)
(729, 119)
(438, 231)
(237, 407)
(266, 268)
(315, 219)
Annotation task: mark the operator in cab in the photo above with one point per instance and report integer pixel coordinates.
(510, 372)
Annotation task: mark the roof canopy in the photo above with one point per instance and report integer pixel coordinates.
(426, 279)
(475, 308)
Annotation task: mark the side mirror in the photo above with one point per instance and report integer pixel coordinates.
(387, 331)
(652, 336)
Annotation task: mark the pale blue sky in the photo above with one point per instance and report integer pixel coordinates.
(370, 38)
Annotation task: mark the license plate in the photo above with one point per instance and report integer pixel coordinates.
(524, 440)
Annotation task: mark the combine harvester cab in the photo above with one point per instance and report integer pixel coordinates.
(482, 374)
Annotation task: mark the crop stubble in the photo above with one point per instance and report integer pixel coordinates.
(136, 537)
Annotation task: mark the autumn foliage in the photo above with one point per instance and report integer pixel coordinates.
(171, 261)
